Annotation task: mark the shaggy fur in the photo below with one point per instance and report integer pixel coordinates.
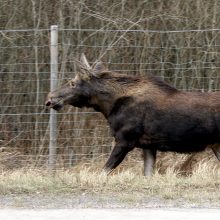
(144, 112)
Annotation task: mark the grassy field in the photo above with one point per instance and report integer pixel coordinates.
(126, 185)
(179, 181)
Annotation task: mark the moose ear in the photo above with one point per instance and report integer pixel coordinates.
(99, 68)
(84, 62)
(83, 67)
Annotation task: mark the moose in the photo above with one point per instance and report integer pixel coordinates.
(143, 112)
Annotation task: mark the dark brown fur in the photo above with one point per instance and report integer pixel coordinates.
(144, 112)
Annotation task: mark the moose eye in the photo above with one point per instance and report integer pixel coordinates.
(72, 84)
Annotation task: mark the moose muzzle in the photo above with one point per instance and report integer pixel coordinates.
(54, 103)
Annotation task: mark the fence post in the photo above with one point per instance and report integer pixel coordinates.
(53, 86)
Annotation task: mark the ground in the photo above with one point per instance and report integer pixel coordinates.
(85, 194)
(86, 187)
(86, 200)
(110, 214)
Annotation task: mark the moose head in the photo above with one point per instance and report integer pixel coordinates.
(87, 89)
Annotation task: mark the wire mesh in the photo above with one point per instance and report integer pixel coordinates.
(187, 59)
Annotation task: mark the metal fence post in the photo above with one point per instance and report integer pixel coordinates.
(53, 86)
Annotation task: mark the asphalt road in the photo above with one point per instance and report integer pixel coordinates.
(110, 214)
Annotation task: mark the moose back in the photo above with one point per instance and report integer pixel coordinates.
(143, 112)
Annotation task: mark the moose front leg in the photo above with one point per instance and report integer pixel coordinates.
(149, 161)
(117, 155)
(216, 150)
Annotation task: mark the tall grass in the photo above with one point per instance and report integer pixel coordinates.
(126, 186)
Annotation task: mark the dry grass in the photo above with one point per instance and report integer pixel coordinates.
(126, 185)
(178, 179)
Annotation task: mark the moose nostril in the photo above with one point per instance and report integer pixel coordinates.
(48, 103)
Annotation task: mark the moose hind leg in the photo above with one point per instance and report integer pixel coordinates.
(149, 161)
(216, 150)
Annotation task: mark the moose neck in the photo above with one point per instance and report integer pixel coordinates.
(103, 103)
